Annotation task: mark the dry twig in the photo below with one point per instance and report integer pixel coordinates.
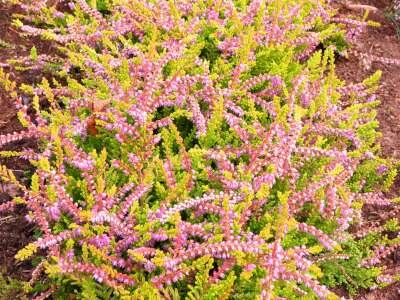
(358, 7)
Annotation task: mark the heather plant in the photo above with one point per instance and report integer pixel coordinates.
(11, 288)
(197, 149)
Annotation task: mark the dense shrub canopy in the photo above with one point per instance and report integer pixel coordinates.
(201, 149)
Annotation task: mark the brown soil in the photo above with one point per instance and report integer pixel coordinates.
(380, 41)
(15, 232)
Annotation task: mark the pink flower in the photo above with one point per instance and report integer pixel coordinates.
(250, 267)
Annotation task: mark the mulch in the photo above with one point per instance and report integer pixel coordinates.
(15, 232)
(380, 41)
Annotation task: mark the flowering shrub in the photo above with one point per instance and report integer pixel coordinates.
(201, 149)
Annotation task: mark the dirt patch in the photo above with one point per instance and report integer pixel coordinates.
(391, 292)
(15, 232)
(382, 42)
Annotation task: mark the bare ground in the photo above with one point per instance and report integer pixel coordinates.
(380, 41)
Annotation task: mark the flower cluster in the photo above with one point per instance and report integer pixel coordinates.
(191, 143)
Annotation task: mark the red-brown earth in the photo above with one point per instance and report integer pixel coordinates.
(382, 42)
